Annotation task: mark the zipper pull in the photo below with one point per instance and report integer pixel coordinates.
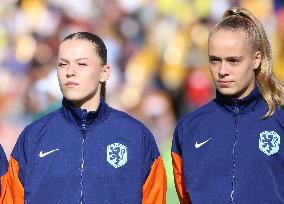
(236, 107)
(236, 110)
(84, 123)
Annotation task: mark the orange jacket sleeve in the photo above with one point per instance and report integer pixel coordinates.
(155, 187)
(12, 191)
(179, 179)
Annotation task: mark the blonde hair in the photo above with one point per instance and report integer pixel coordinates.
(240, 19)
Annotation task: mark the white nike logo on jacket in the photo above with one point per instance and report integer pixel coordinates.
(197, 145)
(41, 154)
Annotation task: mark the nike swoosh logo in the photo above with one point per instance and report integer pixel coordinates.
(41, 154)
(197, 145)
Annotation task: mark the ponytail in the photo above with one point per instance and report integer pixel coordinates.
(240, 19)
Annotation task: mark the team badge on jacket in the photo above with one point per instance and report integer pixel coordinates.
(269, 142)
(116, 154)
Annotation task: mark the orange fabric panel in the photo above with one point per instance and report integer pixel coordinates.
(179, 180)
(12, 191)
(6, 196)
(155, 187)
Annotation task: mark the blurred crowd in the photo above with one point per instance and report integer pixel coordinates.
(157, 50)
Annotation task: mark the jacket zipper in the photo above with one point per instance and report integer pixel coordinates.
(236, 115)
(84, 134)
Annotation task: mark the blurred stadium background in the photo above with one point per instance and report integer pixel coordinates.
(157, 50)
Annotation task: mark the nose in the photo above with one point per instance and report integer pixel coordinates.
(70, 71)
(223, 70)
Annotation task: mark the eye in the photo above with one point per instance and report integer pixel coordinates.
(213, 60)
(234, 61)
(82, 64)
(61, 64)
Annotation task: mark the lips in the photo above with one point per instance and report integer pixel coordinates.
(71, 84)
(224, 83)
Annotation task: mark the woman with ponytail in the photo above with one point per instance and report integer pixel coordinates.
(231, 150)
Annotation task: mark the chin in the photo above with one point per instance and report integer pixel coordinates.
(227, 92)
(76, 101)
(73, 97)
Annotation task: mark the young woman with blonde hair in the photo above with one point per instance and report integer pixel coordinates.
(231, 150)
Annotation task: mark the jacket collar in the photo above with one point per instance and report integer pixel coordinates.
(78, 116)
(245, 105)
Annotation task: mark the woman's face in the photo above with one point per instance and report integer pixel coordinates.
(80, 72)
(232, 63)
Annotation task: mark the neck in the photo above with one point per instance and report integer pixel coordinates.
(89, 103)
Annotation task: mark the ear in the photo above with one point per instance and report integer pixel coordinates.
(105, 73)
(257, 60)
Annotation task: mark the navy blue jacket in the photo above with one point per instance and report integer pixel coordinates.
(75, 156)
(3, 163)
(225, 153)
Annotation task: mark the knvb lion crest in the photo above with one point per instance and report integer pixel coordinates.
(116, 154)
(269, 142)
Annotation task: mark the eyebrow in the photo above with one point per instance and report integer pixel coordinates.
(62, 59)
(213, 57)
(235, 57)
(82, 58)
(230, 57)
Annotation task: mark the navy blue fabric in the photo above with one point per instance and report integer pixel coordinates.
(230, 167)
(3, 162)
(55, 178)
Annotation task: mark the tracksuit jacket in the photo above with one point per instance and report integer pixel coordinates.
(3, 164)
(3, 161)
(74, 156)
(225, 153)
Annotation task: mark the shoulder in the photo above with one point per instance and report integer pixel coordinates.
(198, 115)
(281, 110)
(125, 119)
(192, 122)
(27, 138)
(280, 115)
(127, 124)
(39, 124)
